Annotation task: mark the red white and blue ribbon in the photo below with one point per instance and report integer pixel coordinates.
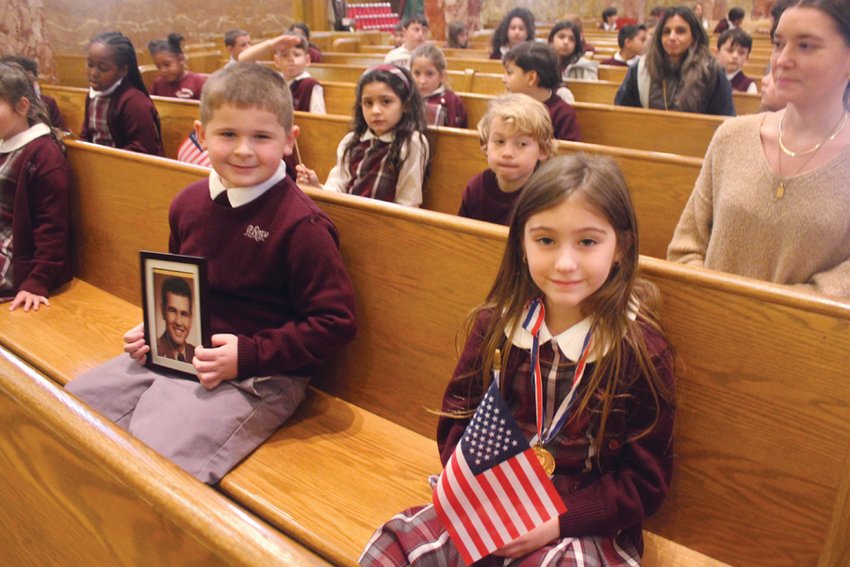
(533, 323)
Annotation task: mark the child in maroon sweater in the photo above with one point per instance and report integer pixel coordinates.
(175, 79)
(532, 68)
(279, 299)
(34, 187)
(442, 106)
(516, 135)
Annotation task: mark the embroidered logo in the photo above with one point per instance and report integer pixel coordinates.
(256, 233)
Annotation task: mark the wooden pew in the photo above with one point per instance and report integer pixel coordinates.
(76, 489)
(763, 440)
(678, 133)
(459, 158)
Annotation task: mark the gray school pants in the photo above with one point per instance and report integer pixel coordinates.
(204, 432)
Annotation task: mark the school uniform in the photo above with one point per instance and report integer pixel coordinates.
(723, 25)
(483, 200)
(307, 94)
(607, 488)
(122, 117)
(277, 282)
(444, 108)
(34, 214)
(400, 56)
(563, 119)
(618, 61)
(315, 54)
(370, 174)
(742, 83)
(189, 87)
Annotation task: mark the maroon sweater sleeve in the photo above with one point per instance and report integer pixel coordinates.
(47, 179)
(639, 476)
(564, 119)
(133, 123)
(464, 391)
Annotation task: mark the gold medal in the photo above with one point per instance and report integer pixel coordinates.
(545, 458)
(780, 191)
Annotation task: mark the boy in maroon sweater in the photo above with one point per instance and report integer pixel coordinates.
(280, 300)
(516, 135)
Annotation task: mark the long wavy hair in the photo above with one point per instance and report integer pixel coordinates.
(412, 116)
(566, 61)
(695, 69)
(600, 184)
(500, 35)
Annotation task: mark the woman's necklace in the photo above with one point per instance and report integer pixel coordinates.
(664, 92)
(817, 146)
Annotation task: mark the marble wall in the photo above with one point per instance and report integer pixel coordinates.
(24, 31)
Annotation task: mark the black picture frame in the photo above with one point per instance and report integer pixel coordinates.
(174, 334)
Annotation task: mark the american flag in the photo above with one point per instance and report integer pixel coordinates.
(493, 490)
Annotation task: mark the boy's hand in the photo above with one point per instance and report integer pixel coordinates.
(284, 41)
(532, 541)
(306, 176)
(217, 363)
(135, 345)
(28, 301)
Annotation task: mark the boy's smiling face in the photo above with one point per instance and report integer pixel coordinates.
(245, 145)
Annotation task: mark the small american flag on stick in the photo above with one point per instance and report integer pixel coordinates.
(493, 490)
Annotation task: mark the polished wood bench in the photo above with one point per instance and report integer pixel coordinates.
(74, 488)
(661, 183)
(763, 439)
(679, 133)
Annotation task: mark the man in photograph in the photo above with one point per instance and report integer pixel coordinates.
(177, 312)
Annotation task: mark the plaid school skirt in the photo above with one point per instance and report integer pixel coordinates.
(415, 537)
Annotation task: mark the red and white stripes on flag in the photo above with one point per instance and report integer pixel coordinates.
(493, 490)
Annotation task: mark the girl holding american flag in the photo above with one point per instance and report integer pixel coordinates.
(559, 457)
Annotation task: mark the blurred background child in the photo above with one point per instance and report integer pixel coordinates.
(442, 106)
(175, 80)
(733, 52)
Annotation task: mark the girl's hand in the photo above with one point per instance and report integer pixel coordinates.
(28, 301)
(135, 345)
(532, 541)
(217, 363)
(306, 176)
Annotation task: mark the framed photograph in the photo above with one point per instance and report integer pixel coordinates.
(174, 291)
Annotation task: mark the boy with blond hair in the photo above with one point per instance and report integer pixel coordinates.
(279, 298)
(516, 135)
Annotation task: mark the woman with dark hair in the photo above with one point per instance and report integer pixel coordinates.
(678, 72)
(516, 27)
(772, 200)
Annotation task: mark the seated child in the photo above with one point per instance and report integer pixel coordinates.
(30, 67)
(386, 154)
(34, 187)
(609, 19)
(119, 111)
(631, 39)
(516, 27)
(174, 80)
(532, 68)
(458, 35)
(442, 106)
(236, 41)
(733, 51)
(291, 58)
(414, 33)
(279, 301)
(516, 135)
(302, 29)
(734, 20)
(565, 38)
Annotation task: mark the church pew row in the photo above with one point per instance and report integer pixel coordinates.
(71, 72)
(763, 439)
(678, 133)
(661, 183)
(71, 68)
(75, 489)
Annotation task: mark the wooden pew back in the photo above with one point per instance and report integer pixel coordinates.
(76, 489)
(763, 438)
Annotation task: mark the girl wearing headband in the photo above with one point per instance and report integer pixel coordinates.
(386, 154)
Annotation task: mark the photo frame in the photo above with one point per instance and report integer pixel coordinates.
(174, 301)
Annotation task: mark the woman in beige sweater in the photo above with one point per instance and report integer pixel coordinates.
(772, 201)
